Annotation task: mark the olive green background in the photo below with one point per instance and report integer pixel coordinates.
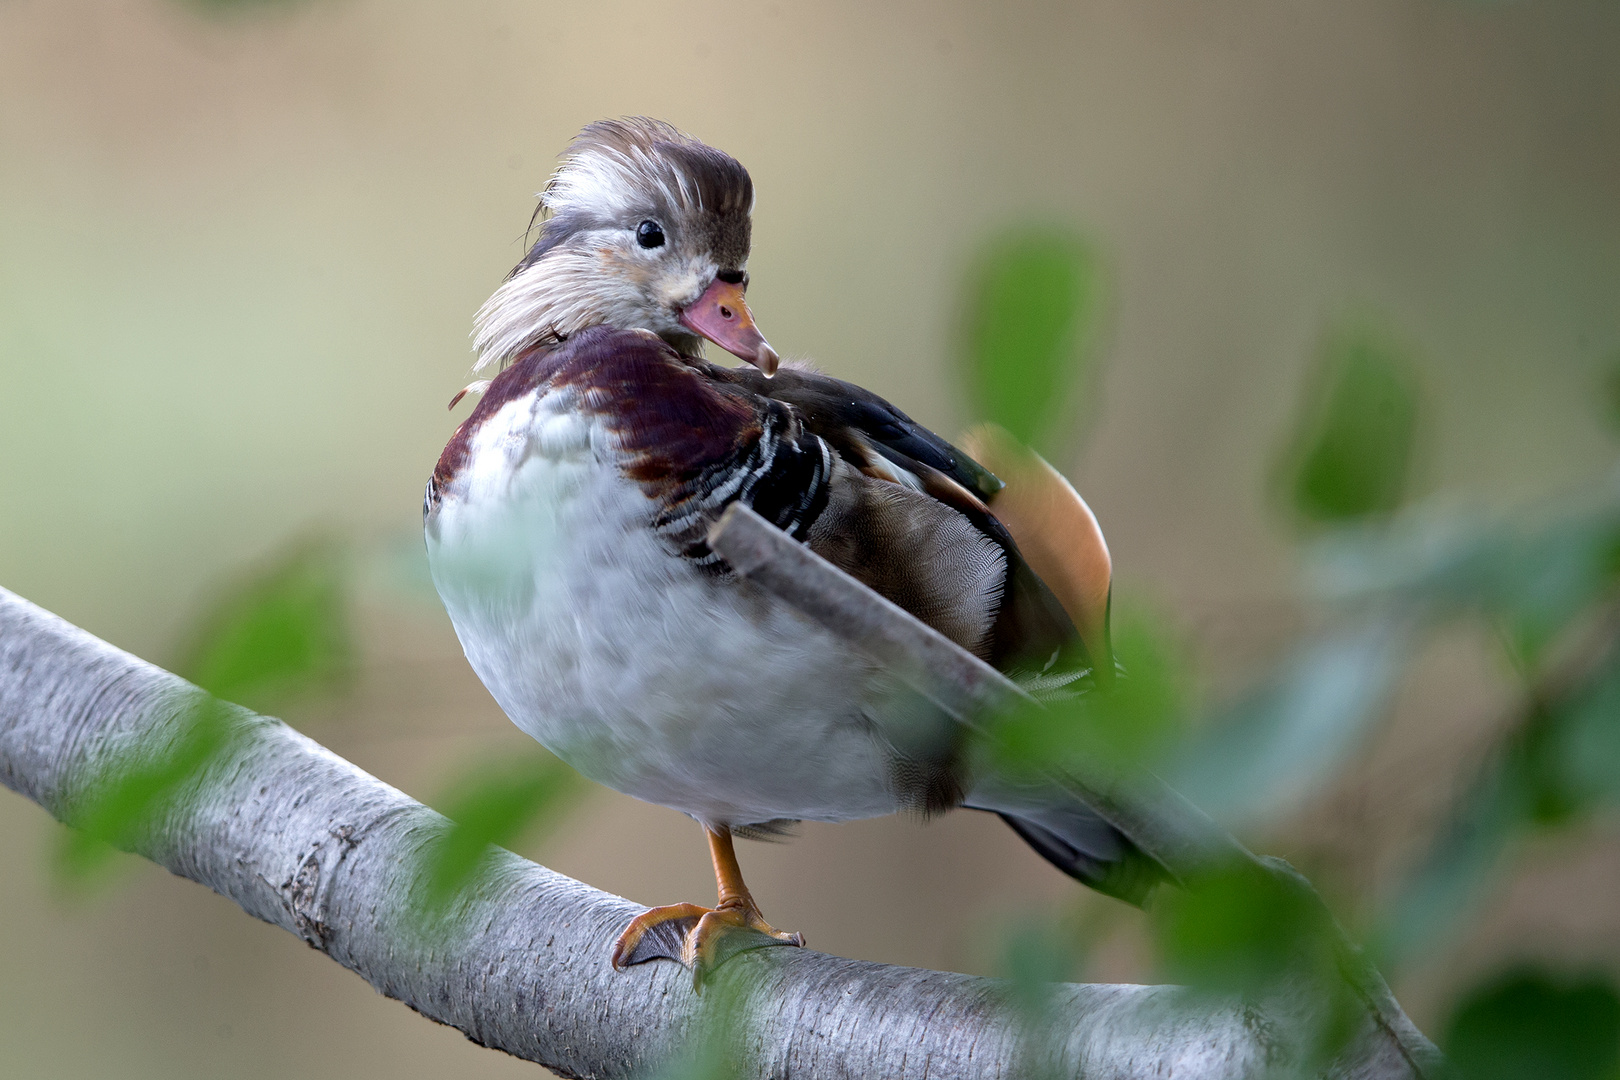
(239, 254)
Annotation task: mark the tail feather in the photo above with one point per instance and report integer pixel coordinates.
(1130, 876)
(1069, 835)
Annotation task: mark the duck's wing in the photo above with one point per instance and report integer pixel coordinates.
(1033, 632)
(1029, 508)
(872, 433)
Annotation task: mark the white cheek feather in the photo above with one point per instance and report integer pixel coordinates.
(546, 298)
(683, 282)
(578, 286)
(562, 294)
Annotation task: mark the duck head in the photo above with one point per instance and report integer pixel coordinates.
(645, 228)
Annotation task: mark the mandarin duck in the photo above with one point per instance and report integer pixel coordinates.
(566, 526)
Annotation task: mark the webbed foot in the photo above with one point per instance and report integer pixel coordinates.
(699, 937)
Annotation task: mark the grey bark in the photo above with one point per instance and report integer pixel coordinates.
(305, 840)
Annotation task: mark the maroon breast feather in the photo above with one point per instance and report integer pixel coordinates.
(670, 420)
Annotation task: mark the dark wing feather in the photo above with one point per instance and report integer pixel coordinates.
(1031, 633)
(846, 415)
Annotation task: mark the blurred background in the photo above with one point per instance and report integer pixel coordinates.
(240, 249)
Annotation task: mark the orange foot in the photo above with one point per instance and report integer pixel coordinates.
(699, 937)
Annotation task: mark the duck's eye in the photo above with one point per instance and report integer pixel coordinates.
(649, 234)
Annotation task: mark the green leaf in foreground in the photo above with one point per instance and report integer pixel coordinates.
(280, 632)
(1530, 1024)
(1133, 720)
(1555, 767)
(1036, 957)
(1442, 891)
(495, 805)
(1257, 932)
(117, 810)
(1611, 391)
(1586, 742)
(1534, 571)
(718, 1046)
(1285, 739)
(1351, 455)
(1236, 929)
(1032, 300)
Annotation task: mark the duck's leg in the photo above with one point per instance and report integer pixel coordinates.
(699, 937)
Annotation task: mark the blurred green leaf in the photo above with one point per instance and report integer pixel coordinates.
(1258, 932)
(1434, 902)
(1237, 929)
(1535, 761)
(1546, 556)
(1352, 453)
(1555, 766)
(1563, 570)
(1561, 762)
(1611, 390)
(281, 632)
(117, 810)
(1033, 299)
(1037, 956)
(1134, 720)
(495, 805)
(1287, 737)
(1530, 1024)
(1534, 571)
(718, 1047)
(1588, 740)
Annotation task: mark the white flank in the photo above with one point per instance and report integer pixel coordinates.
(628, 662)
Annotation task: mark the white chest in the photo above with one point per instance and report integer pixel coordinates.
(639, 669)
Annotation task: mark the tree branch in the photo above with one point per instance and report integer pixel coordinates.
(305, 840)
